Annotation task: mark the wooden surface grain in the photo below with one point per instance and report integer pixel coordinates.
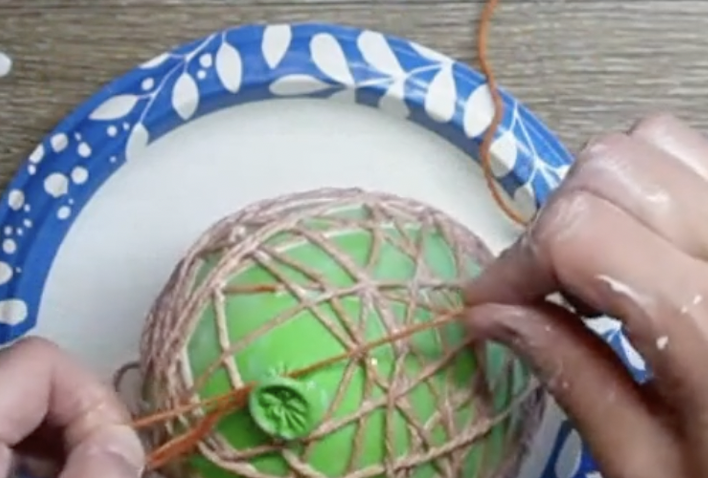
(583, 66)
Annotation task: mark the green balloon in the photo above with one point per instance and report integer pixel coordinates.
(279, 335)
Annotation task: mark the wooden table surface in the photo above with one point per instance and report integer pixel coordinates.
(583, 66)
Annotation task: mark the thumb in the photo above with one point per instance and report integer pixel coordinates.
(114, 451)
(583, 374)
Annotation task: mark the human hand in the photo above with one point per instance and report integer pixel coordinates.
(51, 408)
(626, 234)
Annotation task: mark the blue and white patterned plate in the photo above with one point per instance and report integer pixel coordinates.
(255, 63)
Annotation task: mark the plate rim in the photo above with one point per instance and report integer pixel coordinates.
(541, 146)
(42, 241)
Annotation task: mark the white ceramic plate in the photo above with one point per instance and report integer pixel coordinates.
(201, 131)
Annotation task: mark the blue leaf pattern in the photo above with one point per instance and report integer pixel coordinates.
(254, 63)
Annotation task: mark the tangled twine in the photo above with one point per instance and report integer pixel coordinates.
(162, 339)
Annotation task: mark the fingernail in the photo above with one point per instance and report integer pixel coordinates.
(495, 322)
(121, 446)
(128, 446)
(122, 467)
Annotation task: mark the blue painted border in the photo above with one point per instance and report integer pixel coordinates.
(236, 66)
(241, 65)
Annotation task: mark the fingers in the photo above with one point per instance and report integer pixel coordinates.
(623, 236)
(587, 380)
(652, 186)
(656, 174)
(63, 395)
(667, 133)
(586, 246)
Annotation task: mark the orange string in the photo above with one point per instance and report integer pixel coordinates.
(235, 399)
(485, 147)
(216, 407)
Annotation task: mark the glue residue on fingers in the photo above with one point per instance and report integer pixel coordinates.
(5, 64)
(662, 342)
(621, 288)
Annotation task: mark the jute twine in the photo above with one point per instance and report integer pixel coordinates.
(238, 242)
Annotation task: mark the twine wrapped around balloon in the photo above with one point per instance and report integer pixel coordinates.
(259, 237)
(187, 422)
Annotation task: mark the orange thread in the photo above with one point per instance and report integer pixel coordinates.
(485, 147)
(217, 407)
(237, 398)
